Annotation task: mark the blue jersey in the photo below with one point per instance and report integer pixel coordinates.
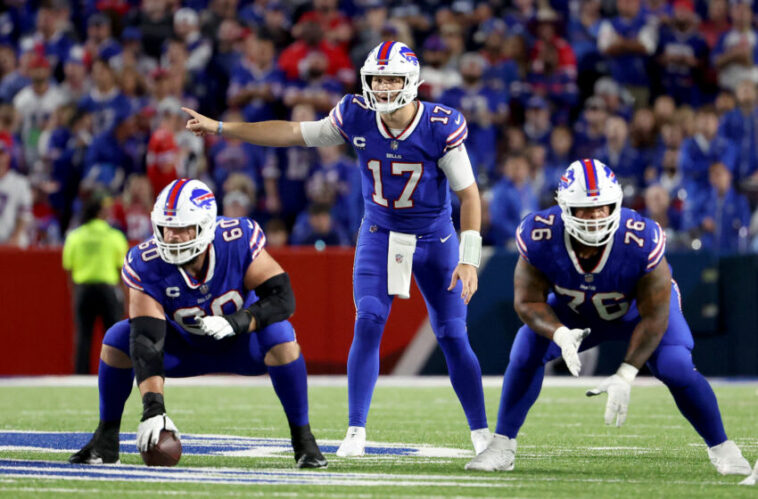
(237, 244)
(403, 188)
(605, 292)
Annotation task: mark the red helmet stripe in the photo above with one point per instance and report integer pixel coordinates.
(590, 175)
(173, 196)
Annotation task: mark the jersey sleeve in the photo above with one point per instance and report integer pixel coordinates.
(255, 237)
(455, 130)
(339, 113)
(536, 236)
(655, 244)
(142, 270)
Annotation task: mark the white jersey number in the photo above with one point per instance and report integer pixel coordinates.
(610, 306)
(405, 200)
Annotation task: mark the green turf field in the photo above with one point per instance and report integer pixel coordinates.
(564, 448)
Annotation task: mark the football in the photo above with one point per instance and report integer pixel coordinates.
(166, 452)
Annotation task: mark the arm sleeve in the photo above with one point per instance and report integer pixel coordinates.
(457, 168)
(321, 133)
(605, 36)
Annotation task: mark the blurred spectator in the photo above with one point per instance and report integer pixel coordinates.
(511, 199)
(537, 123)
(51, 37)
(312, 40)
(484, 109)
(241, 193)
(501, 71)
(725, 102)
(559, 155)
(685, 116)
(622, 158)
(216, 13)
(276, 233)
(100, 43)
(76, 83)
(368, 32)
(589, 132)
(721, 219)
(736, 52)
(665, 169)
(628, 40)
(319, 229)
(740, 127)
(256, 83)
(34, 105)
(682, 55)
(111, 156)
(717, 22)
(660, 11)
(582, 34)
(452, 35)
(277, 24)
(314, 87)
(132, 55)
(45, 229)
(12, 79)
(520, 16)
(162, 159)
(155, 23)
(335, 25)
(702, 150)
(618, 101)
(15, 191)
(436, 73)
(134, 89)
(659, 209)
(664, 108)
(105, 101)
(643, 135)
(131, 211)
(92, 256)
(199, 48)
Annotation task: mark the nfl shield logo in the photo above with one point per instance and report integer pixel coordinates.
(398, 258)
(204, 289)
(393, 145)
(589, 277)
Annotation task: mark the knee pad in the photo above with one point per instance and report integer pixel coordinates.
(674, 366)
(117, 336)
(370, 308)
(274, 334)
(453, 328)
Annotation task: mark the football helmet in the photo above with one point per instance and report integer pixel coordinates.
(588, 183)
(184, 203)
(391, 59)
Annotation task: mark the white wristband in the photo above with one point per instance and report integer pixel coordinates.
(559, 334)
(470, 248)
(627, 372)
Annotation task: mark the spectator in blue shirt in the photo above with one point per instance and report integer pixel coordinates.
(740, 127)
(736, 53)
(11, 78)
(318, 228)
(658, 208)
(721, 219)
(622, 158)
(112, 156)
(105, 101)
(582, 32)
(512, 198)
(560, 154)
(589, 130)
(537, 123)
(702, 150)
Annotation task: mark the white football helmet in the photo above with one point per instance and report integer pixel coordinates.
(585, 184)
(391, 59)
(184, 203)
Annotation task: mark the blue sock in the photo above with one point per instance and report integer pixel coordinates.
(291, 386)
(115, 385)
(466, 378)
(362, 368)
(521, 387)
(694, 397)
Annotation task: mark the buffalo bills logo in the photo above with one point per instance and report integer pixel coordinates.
(409, 55)
(566, 179)
(202, 198)
(611, 176)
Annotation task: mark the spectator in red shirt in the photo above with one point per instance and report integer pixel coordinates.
(311, 40)
(336, 25)
(131, 211)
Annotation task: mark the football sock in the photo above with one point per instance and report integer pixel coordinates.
(693, 395)
(521, 387)
(466, 378)
(362, 368)
(291, 386)
(115, 385)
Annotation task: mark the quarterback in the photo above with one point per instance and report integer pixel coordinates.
(591, 271)
(410, 153)
(204, 297)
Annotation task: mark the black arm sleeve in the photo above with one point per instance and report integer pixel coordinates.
(146, 338)
(276, 302)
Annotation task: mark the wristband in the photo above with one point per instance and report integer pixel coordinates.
(220, 127)
(152, 405)
(470, 248)
(559, 334)
(627, 372)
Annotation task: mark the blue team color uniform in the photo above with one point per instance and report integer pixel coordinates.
(187, 351)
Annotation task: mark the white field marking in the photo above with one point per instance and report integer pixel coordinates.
(59, 490)
(341, 381)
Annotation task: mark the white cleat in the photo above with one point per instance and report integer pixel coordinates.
(354, 444)
(498, 456)
(753, 478)
(481, 438)
(728, 460)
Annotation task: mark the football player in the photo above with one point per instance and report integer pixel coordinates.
(410, 154)
(590, 271)
(204, 297)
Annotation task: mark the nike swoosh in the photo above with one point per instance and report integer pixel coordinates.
(443, 239)
(458, 120)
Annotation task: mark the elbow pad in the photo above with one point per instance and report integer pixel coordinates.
(276, 303)
(147, 336)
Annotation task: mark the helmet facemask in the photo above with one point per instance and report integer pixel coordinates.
(182, 252)
(591, 232)
(402, 96)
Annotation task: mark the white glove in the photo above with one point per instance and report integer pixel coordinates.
(149, 430)
(569, 341)
(216, 326)
(619, 388)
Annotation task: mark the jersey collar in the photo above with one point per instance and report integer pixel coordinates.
(191, 281)
(575, 260)
(387, 134)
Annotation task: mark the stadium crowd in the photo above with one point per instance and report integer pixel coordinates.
(662, 92)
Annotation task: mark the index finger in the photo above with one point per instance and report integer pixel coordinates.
(192, 113)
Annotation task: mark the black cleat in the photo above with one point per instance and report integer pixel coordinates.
(307, 453)
(102, 447)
